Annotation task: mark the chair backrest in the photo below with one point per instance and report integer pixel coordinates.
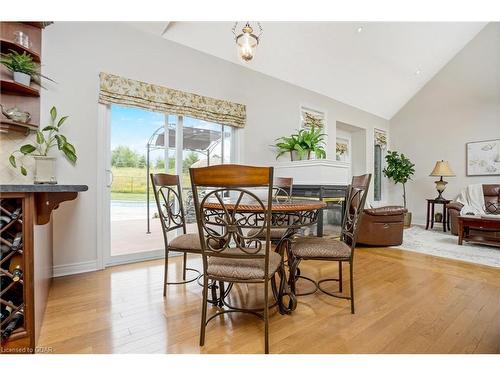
(168, 196)
(223, 215)
(282, 187)
(355, 203)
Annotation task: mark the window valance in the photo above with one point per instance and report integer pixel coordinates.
(128, 92)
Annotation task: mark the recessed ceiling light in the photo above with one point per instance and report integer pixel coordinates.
(417, 72)
(359, 29)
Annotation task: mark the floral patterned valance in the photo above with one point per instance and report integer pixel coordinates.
(380, 138)
(128, 92)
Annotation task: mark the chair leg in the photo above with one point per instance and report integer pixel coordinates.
(340, 277)
(184, 262)
(165, 274)
(204, 311)
(266, 317)
(352, 286)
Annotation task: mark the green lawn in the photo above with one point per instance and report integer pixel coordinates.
(130, 183)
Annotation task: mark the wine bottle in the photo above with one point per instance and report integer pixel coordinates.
(4, 251)
(16, 268)
(5, 312)
(4, 220)
(15, 323)
(16, 243)
(15, 215)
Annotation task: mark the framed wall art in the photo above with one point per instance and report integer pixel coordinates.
(483, 158)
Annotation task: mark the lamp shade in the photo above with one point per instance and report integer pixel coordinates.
(443, 169)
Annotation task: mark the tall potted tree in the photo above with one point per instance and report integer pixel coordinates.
(400, 169)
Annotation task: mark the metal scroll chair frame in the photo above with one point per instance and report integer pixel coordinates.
(235, 243)
(168, 193)
(355, 202)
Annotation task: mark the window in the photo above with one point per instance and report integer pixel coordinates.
(144, 142)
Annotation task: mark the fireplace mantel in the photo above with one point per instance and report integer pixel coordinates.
(320, 172)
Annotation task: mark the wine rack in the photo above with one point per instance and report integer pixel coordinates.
(16, 273)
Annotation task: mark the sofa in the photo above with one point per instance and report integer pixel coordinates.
(491, 200)
(382, 226)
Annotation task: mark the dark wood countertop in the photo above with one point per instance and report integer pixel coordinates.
(41, 188)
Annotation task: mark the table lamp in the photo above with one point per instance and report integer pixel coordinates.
(442, 169)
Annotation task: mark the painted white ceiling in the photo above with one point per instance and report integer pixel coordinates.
(374, 70)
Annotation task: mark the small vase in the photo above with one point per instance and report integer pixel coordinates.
(45, 170)
(22, 78)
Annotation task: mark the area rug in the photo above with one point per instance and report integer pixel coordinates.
(437, 243)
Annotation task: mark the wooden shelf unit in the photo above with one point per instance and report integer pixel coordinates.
(13, 94)
(10, 87)
(7, 45)
(18, 127)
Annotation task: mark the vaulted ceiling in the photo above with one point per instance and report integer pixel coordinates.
(374, 66)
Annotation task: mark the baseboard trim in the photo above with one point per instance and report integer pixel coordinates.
(74, 268)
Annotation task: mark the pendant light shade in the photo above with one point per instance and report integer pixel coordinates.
(247, 41)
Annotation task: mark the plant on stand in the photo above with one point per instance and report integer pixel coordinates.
(23, 67)
(46, 139)
(400, 169)
(301, 144)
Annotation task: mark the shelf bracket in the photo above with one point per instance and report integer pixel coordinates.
(47, 202)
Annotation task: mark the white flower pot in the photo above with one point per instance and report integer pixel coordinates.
(22, 78)
(45, 170)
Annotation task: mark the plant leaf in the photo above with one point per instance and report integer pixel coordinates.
(70, 155)
(12, 160)
(53, 113)
(70, 147)
(61, 121)
(24, 172)
(61, 141)
(39, 137)
(27, 149)
(50, 127)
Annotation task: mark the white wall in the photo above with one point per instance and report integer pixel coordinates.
(75, 52)
(459, 105)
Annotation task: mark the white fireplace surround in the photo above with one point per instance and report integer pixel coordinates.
(315, 172)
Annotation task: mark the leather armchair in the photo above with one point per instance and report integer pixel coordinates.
(491, 199)
(382, 226)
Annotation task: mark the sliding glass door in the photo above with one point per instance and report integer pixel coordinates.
(143, 142)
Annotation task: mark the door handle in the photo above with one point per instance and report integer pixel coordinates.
(110, 179)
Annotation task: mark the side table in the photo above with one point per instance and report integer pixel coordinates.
(430, 213)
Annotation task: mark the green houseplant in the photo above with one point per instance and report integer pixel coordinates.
(46, 139)
(23, 67)
(400, 169)
(301, 144)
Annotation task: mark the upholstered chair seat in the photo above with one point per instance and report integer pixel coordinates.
(190, 241)
(242, 269)
(320, 247)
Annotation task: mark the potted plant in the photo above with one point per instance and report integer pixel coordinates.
(23, 67)
(301, 144)
(400, 169)
(46, 139)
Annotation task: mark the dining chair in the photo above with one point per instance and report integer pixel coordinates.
(282, 192)
(168, 195)
(328, 249)
(223, 217)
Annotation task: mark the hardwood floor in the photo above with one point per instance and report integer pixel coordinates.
(405, 303)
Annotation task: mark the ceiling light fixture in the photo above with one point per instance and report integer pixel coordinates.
(359, 29)
(417, 72)
(247, 41)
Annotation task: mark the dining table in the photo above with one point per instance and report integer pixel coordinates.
(286, 213)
